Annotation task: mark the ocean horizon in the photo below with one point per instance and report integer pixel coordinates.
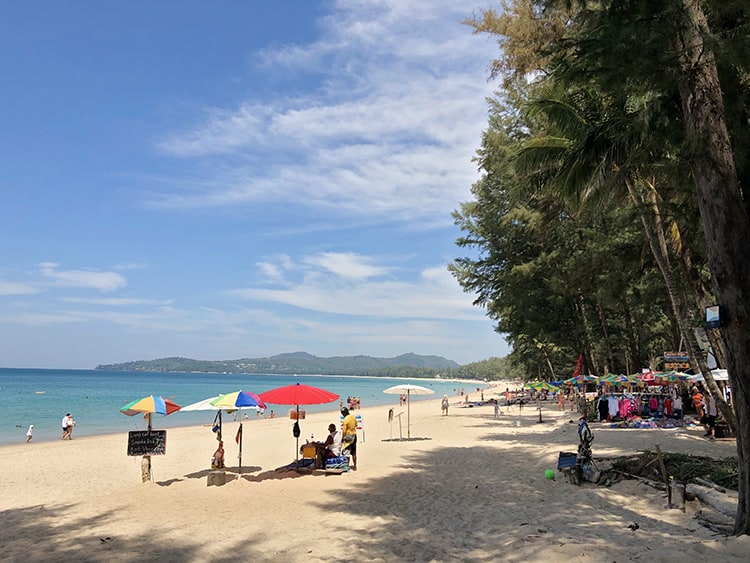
(94, 397)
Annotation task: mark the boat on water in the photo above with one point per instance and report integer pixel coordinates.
(39, 392)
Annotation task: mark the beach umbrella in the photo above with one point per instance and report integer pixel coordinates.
(579, 379)
(239, 400)
(540, 386)
(296, 395)
(672, 376)
(148, 406)
(206, 405)
(409, 389)
(615, 378)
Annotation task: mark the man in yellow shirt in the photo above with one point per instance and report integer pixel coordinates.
(349, 436)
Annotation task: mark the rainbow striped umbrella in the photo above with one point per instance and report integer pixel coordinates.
(615, 378)
(238, 399)
(581, 379)
(541, 385)
(150, 405)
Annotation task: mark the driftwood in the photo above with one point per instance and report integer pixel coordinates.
(726, 503)
(711, 484)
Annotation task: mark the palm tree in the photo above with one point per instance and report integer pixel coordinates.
(600, 153)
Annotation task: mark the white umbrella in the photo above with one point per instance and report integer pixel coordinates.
(207, 405)
(408, 388)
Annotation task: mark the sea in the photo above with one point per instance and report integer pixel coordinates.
(94, 397)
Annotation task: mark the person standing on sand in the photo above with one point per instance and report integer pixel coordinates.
(444, 405)
(349, 436)
(29, 433)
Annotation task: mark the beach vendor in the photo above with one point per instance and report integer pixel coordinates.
(349, 436)
(330, 448)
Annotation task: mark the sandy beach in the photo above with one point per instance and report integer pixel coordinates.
(466, 487)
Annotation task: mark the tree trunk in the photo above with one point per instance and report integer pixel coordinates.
(703, 298)
(651, 219)
(589, 333)
(633, 340)
(609, 358)
(725, 220)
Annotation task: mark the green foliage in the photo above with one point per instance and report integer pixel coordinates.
(406, 365)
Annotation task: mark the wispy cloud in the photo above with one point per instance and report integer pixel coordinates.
(102, 281)
(15, 288)
(352, 285)
(117, 302)
(389, 134)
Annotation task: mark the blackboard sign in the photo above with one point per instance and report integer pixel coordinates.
(143, 442)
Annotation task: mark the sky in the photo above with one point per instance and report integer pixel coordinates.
(223, 180)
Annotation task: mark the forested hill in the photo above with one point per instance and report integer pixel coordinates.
(406, 365)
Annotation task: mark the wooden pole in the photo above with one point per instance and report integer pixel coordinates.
(408, 415)
(664, 475)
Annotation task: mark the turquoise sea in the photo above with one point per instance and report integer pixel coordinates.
(42, 397)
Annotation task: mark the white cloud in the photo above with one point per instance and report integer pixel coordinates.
(103, 281)
(13, 288)
(389, 135)
(358, 287)
(117, 302)
(346, 265)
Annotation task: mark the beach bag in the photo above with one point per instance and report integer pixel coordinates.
(348, 439)
(295, 429)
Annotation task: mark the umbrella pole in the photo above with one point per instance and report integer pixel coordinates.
(146, 465)
(240, 459)
(296, 449)
(408, 415)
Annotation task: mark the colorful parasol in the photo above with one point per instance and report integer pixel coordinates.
(541, 386)
(618, 378)
(580, 379)
(150, 405)
(239, 400)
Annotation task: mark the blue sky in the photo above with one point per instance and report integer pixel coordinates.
(237, 179)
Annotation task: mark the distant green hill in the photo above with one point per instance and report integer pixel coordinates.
(406, 365)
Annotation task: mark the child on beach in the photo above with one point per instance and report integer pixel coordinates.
(29, 433)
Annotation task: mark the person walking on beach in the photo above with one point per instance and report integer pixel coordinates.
(349, 436)
(29, 433)
(444, 405)
(65, 421)
(68, 427)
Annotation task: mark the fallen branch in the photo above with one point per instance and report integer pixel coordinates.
(708, 483)
(649, 482)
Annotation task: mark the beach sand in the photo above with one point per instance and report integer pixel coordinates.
(466, 487)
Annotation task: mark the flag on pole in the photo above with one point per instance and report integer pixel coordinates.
(579, 364)
(238, 437)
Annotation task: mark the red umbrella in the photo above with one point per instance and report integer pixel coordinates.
(298, 394)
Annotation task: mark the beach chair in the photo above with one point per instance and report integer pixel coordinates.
(567, 462)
